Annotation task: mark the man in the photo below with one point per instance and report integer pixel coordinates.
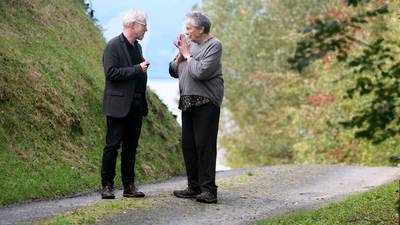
(124, 103)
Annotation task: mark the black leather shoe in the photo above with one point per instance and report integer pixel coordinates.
(187, 193)
(207, 197)
(107, 192)
(131, 191)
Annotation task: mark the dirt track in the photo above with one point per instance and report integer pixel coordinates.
(245, 195)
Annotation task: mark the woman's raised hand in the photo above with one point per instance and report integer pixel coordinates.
(183, 46)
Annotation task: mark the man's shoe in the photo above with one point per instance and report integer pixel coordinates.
(107, 192)
(207, 197)
(131, 191)
(187, 193)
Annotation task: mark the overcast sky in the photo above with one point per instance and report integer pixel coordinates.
(165, 22)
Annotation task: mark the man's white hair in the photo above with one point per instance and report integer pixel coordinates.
(133, 16)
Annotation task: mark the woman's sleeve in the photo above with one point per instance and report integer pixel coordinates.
(172, 69)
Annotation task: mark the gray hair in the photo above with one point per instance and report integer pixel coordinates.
(133, 16)
(199, 20)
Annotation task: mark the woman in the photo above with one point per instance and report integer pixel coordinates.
(201, 87)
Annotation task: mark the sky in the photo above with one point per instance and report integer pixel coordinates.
(165, 22)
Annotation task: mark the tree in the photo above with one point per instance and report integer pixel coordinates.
(376, 67)
(257, 37)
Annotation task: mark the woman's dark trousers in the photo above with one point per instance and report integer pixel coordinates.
(199, 145)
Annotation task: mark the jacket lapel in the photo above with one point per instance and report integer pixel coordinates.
(125, 49)
(139, 48)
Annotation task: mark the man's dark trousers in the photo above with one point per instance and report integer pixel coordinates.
(126, 131)
(199, 145)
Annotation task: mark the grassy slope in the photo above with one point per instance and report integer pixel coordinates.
(374, 207)
(51, 125)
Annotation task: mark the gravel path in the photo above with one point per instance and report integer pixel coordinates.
(244, 196)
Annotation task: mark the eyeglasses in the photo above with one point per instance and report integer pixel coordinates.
(141, 23)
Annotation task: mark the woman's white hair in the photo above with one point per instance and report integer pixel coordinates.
(133, 16)
(199, 20)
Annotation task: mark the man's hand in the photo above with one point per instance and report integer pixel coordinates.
(145, 65)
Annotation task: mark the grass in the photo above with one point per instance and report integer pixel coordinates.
(97, 212)
(373, 207)
(51, 87)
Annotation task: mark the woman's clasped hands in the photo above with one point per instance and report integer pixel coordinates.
(183, 47)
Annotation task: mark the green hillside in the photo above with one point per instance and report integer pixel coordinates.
(51, 86)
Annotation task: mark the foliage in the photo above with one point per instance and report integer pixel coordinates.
(88, 9)
(398, 200)
(51, 86)
(257, 37)
(377, 69)
(378, 75)
(330, 34)
(271, 115)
